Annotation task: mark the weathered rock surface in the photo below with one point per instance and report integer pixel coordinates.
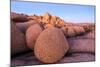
(81, 45)
(78, 57)
(32, 34)
(24, 26)
(80, 37)
(25, 59)
(48, 26)
(29, 59)
(18, 42)
(15, 17)
(51, 45)
(48, 21)
(54, 20)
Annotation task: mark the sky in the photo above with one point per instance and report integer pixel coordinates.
(68, 12)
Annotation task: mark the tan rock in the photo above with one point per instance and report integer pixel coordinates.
(24, 26)
(46, 16)
(88, 35)
(18, 43)
(73, 30)
(70, 31)
(48, 26)
(53, 20)
(64, 30)
(88, 27)
(35, 17)
(32, 34)
(78, 30)
(51, 45)
(18, 17)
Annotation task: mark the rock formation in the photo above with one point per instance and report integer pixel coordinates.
(18, 42)
(48, 20)
(51, 45)
(18, 17)
(32, 34)
(80, 38)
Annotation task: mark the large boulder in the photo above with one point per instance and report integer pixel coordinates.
(32, 34)
(18, 42)
(51, 45)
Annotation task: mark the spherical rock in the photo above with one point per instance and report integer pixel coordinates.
(51, 45)
(31, 35)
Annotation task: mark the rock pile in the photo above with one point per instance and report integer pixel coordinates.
(51, 39)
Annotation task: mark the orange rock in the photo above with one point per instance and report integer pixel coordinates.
(64, 30)
(51, 45)
(35, 17)
(54, 20)
(24, 26)
(32, 34)
(46, 16)
(48, 26)
(78, 30)
(88, 27)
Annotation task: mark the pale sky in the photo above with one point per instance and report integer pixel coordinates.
(68, 12)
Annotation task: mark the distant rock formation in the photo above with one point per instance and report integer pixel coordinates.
(47, 21)
(18, 17)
